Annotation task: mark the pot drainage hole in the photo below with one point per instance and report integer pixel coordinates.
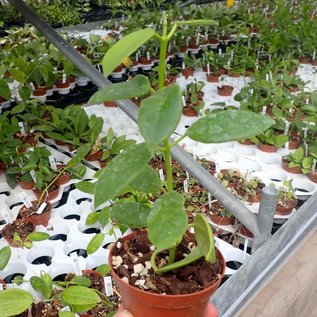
(91, 230)
(68, 217)
(234, 265)
(47, 260)
(60, 236)
(11, 277)
(80, 252)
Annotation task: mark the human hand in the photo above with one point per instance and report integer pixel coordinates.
(123, 313)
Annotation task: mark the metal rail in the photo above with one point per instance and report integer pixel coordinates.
(238, 209)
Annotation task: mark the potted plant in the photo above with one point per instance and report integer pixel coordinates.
(297, 162)
(193, 96)
(166, 219)
(287, 199)
(220, 215)
(270, 140)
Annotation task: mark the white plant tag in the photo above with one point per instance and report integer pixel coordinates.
(185, 186)
(6, 216)
(287, 124)
(183, 65)
(286, 147)
(184, 101)
(161, 173)
(148, 56)
(187, 176)
(314, 55)
(306, 149)
(264, 109)
(1, 287)
(22, 128)
(209, 200)
(41, 209)
(108, 286)
(52, 162)
(33, 175)
(208, 69)
(66, 308)
(64, 78)
(74, 257)
(25, 199)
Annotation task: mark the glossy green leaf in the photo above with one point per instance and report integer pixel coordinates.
(66, 314)
(37, 283)
(95, 243)
(5, 254)
(14, 301)
(198, 22)
(124, 48)
(204, 238)
(120, 173)
(38, 236)
(228, 125)
(84, 307)
(103, 269)
(167, 221)
(104, 216)
(130, 214)
(77, 295)
(136, 87)
(86, 187)
(92, 218)
(147, 181)
(159, 114)
(81, 281)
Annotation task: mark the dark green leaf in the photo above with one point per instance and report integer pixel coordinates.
(77, 295)
(92, 218)
(103, 269)
(86, 187)
(14, 301)
(147, 181)
(120, 173)
(198, 22)
(124, 48)
(130, 214)
(136, 87)
(5, 254)
(95, 243)
(159, 115)
(228, 125)
(167, 221)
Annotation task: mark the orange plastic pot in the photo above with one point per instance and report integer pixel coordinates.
(141, 303)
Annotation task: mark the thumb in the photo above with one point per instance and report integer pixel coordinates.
(123, 313)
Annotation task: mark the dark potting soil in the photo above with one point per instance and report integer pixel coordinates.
(95, 278)
(189, 279)
(46, 309)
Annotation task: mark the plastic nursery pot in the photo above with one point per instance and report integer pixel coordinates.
(211, 78)
(216, 218)
(293, 170)
(28, 185)
(94, 156)
(225, 90)
(39, 92)
(246, 142)
(187, 72)
(31, 215)
(304, 59)
(21, 226)
(141, 303)
(189, 111)
(267, 148)
(286, 208)
(234, 75)
(110, 104)
(64, 177)
(313, 176)
(51, 194)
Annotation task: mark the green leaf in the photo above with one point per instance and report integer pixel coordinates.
(228, 125)
(66, 314)
(95, 243)
(25, 92)
(159, 114)
(14, 301)
(167, 221)
(198, 22)
(132, 215)
(204, 238)
(103, 269)
(81, 308)
(81, 281)
(5, 254)
(92, 218)
(136, 87)
(299, 154)
(37, 283)
(104, 216)
(306, 163)
(38, 236)
(124, 48)
(147, 181)
(77, 295)
(120, 173)
(86, 187)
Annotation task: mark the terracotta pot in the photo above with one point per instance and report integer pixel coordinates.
(145, 61)
(110, 104)
(61, 143)
(64, 177)
(41, 219)
(189, 111)
(234, 75)
(254, 199)
(304, 59)
(314, 62)
(61, 85)
(225, 90)
(50, 195)
(246, 142)
(222, 71)
(188, 72)
(28, 185)
(293, 170)
(221, 221)
(39, 92)
(211, 78)
(141, 303)
(313, 176)
(294, 144)
(94, 156)
(243, 230)
(286, 210)
(267, 148)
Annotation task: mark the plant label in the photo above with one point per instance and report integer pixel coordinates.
(185, 186)
(74, 257)
(187, 176)
(209, 200)
(108, 286)
(264, 109)
(286, 147)
(66, 308)
(41, 209)
(25, 199)
(6, 216)
(33, 175)
(287, 124)
(313, 167)
(52, 163)
(22, 128)
(161, 173)
(1, 287)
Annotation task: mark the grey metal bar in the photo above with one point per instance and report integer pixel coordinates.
(265, 218)
(240, 289)
(211, 184)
